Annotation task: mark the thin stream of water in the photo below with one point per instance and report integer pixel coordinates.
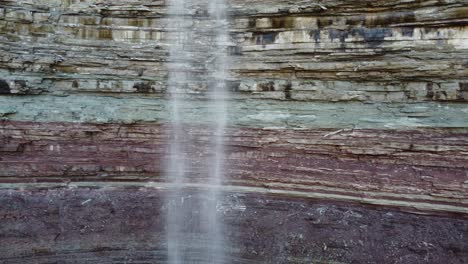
(194, 230)
(175, 171)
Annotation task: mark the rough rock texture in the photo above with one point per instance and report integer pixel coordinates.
(413, 169)
(245, 113)
(347, 139)
(326, 51)
(126, 225)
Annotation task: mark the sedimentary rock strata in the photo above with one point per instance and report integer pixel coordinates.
(123, 225)
(327, 51)
(347, 138)
(421, 169)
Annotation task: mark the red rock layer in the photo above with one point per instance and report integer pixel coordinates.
(419, 170)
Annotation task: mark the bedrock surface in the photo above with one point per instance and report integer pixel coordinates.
(383, 51)
(119, 224)
(92, 108)
(416, 170)
(347, 138)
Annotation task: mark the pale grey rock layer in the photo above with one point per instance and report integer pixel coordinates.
(369, 51)
(246, 113)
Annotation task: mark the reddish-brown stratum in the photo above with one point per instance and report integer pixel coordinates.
(421, 169)
(73, 193)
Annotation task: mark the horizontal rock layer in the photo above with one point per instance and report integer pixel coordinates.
(360, 158)
(246, 113)
(385, 51)
(422, 170)
(126, 225)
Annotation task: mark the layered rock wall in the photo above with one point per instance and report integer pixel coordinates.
(385, 51)
(347, 129)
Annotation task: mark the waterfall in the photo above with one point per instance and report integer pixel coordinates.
(175, 171)
(218, 95)
(194, 230)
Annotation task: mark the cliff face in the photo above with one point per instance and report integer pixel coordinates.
(347, 129)
(379, 51)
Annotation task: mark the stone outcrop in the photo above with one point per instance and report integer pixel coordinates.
(347, 138)
(382, 51)
(421, 170)
(124, 225)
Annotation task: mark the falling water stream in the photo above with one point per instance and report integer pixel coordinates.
(194, 230)
(175, 171)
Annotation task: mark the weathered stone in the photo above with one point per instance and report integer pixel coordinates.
(250, 113)
(125, 223)
(343, 115)
(4, 87)
(409, 45)
(411, 169)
